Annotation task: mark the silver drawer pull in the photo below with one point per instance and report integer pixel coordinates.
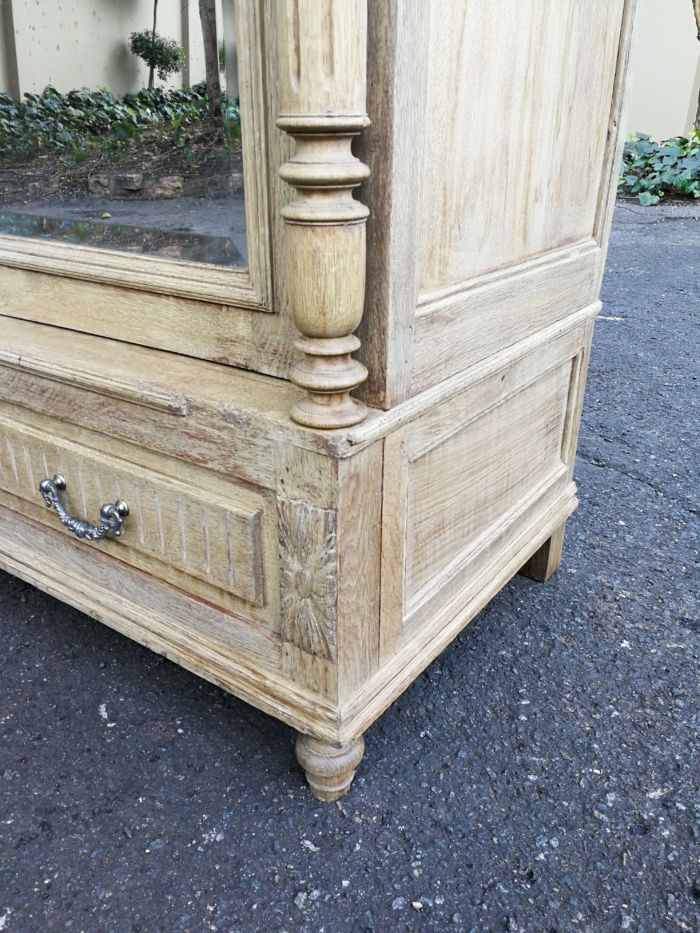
(111, 515)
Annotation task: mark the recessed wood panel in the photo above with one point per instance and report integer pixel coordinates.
(513, 154)
(499, 310)
(464, 484)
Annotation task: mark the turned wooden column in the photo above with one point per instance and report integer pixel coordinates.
(322, 55)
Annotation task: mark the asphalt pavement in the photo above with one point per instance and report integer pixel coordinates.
(542, 775)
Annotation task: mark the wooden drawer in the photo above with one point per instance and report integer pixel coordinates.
(195, 529)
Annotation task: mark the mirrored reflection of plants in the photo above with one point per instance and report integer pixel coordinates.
(70, 159)
(82, 123)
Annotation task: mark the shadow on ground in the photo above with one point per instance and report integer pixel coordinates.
(542, 775)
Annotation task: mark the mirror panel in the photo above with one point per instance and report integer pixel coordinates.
(120, 136)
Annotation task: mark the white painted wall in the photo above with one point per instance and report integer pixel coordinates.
(665, 69)
(84, 43)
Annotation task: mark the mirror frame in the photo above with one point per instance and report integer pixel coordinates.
(234, 287)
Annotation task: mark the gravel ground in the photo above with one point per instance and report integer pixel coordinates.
(542, 775)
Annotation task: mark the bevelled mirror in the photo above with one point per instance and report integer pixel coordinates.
(121, 136)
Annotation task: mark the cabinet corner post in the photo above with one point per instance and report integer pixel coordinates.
(322, 75)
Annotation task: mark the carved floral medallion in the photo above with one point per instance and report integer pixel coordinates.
(309, 582)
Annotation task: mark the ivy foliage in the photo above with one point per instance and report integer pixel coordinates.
(81, 123)
(652, 170)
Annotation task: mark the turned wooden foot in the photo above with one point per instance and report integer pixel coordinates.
(546, 558)
(329, 770)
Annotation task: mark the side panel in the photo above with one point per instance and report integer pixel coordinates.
(494, 223)
(471, 488)
(494, 462)
(514, 152)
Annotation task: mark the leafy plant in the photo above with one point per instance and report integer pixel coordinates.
(72, 124)
(162, 55)
(652, 170)
(84, 125)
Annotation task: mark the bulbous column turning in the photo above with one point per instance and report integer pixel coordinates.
(329, 770)
(322, 54)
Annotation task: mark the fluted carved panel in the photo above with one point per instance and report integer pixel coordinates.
(213, 539)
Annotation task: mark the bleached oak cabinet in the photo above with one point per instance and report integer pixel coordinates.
(334, 457)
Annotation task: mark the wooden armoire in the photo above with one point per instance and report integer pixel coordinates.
(302, 478)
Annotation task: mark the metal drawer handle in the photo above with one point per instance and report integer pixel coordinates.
(111, 515)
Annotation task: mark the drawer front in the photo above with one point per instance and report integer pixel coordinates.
(206, 537)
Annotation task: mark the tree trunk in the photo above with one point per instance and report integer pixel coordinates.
(696, 9)
(207, 16)
(152, 69)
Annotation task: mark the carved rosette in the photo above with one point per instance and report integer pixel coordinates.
(309, 571)
(322, 76)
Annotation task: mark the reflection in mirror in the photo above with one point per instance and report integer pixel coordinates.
(120, 127)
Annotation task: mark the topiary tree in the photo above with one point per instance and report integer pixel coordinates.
(161, 55)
